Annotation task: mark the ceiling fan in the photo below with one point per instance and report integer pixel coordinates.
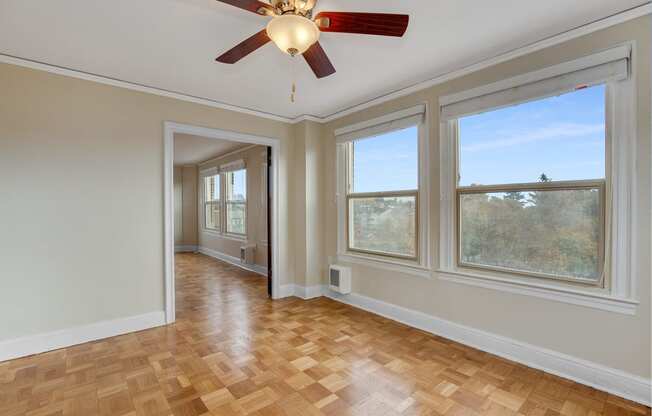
(294, 30)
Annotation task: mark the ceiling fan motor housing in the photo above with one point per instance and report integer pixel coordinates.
(299, 7)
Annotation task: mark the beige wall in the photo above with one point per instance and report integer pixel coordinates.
(81, 178)
(185, 205)
(255, 161)
(615, 340)
(308, 225)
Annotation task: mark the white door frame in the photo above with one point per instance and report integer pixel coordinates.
(170, 128)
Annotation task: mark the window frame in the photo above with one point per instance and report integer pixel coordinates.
(599, 184)
(420, 263)
(618, 293)
(228, 202)
(222, 172)
(206, 202)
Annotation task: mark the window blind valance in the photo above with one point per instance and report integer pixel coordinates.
(381, 125)
(606, 66)
(208, 172)
(233, 166)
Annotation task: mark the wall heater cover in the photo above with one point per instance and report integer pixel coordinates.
(339, 278)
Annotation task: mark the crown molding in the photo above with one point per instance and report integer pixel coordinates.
(615, 19)
(73, 73)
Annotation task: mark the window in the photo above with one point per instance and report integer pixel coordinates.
(212, 205)
(225, 199)
(236, 202)
(381, 181)
(383, 193)
(536, 182)
(531, 187)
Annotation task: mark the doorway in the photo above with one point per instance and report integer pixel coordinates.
(271, 174)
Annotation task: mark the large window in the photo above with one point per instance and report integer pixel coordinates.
(225, 199)
(236, 201)
(383, 194)
(531, 187)
(537, 176)
(212, 203)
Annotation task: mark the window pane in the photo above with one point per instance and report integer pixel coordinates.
(553, 232)
(236, 194)
(388, 162)
(216, 215)
(236, 217)
(384, 225)
(561, 137)
(212, 215)
(237, 185)
(211, 187)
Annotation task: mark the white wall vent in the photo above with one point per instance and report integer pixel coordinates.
(339, 278)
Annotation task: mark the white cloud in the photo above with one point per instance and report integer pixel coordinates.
(556, 132)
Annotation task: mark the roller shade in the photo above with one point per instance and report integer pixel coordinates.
(232, 166)
(610, 65)
(397, 121)
(208, 172)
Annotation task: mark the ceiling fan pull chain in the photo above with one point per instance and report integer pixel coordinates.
(293, 76)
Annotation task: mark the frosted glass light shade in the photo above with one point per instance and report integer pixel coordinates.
(293, 34)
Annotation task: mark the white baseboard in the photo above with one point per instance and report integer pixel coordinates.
(185, 248)
(262, 270)
(35, 344)
(308, 292)
(286, 291)
(303, 292)
(614, 381)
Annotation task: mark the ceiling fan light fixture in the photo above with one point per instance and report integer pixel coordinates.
(293, 34)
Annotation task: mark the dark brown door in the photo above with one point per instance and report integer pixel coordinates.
(269, 221)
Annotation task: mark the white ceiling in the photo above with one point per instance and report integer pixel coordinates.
(190, 150)
(172, 44)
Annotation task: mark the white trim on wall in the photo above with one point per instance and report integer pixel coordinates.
(35, 344)
(170, 128)
(604, 378)
(235, 261)
(627, 15)
(303, 292)
(185, 248)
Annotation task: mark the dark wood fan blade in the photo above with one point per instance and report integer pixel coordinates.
(383, 24)
(244, 48)
(254, 6)
(318, 61)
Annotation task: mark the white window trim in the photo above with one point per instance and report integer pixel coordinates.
(422, 267)
(232, 168)
(620, 295)
(203, 174)
(221, 231)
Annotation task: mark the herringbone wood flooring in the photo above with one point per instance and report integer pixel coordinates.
(234, 352)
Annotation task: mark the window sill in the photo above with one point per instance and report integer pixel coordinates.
(554, 292)
(386, 264)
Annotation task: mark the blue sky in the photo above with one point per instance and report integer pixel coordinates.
(239, 184)
(560, 136)
(387, 162)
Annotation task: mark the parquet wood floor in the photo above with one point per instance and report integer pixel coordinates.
(234, 352)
